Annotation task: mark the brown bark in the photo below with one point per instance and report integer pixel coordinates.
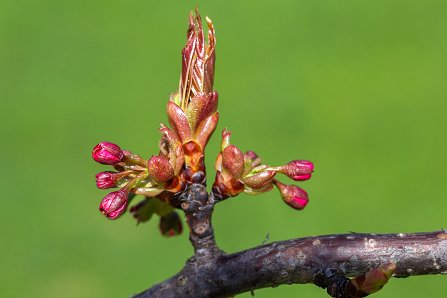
(320, 260)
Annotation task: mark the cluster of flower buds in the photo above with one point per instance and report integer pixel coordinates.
(238, 172)
(192, 114)
(133, 175)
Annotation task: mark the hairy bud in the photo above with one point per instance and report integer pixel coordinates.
(233, 161)
(259, 180)
(160, 170)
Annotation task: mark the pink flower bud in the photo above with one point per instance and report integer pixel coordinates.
(292, 195)
(233, 161)
(114, 204)
(298, 170)
(107, 153)
(160, 169)
(106, 180)
(170, 224)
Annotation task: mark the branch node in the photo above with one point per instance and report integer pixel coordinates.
(333, 282)
(198, 207)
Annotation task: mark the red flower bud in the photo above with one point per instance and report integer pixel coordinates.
(170, 224)
(114, 204)
(233, 161)
(298, 170)
(292, 195)
(107, 153)
(160, 169)
(106, 180)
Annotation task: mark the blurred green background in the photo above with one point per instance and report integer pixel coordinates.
(358, 87)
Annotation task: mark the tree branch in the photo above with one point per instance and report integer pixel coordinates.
(320, 260)
(307, 260)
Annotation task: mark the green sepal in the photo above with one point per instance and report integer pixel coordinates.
(144, 210)
(163, 209)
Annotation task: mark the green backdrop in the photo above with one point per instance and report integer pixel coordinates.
(358, 87)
